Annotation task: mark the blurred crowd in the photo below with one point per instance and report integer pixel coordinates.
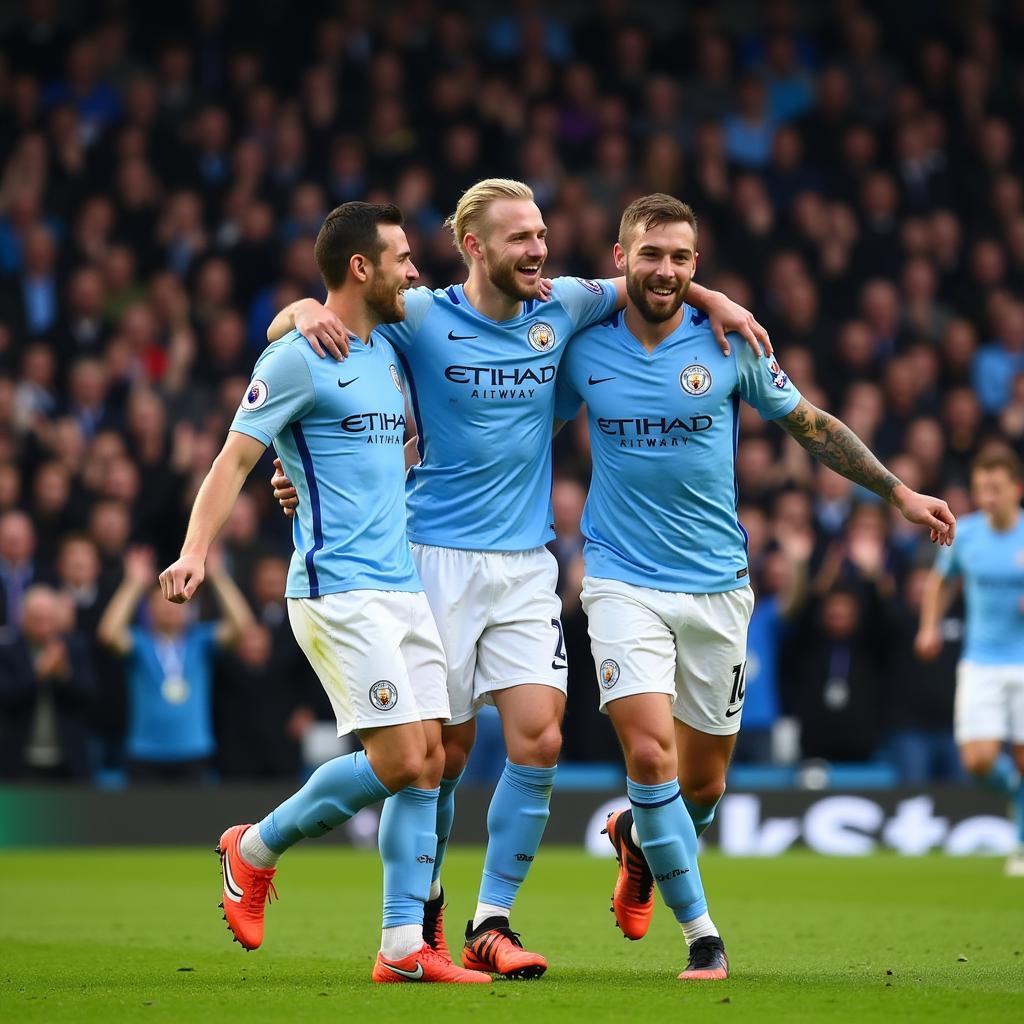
(856, 171)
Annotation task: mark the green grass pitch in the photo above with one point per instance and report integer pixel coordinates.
(117, 935)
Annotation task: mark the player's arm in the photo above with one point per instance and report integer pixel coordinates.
(936, 597)
(724, 314)
(236, 615)
(323, 329)
(113, 628)
(835, 445)
(216, 497)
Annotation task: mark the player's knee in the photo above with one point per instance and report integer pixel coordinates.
(433, 763)
(978, 762)
(404, 767)
(649, 761)
(539, 749)
(706, 793)
(455, 756)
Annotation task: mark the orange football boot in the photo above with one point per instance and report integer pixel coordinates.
(495, 948)
(433, 927)
(633, 898)
(425, 965)
(247, 890)
(708, 961)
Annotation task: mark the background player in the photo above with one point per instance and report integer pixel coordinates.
(355, 601)
(988, 559)
(667, 593)
(481, 359)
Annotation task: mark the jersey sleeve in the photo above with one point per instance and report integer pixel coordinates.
(418, 303)
(567, 399)
(762, 382)
(947, 562)
(587, 302)
(280, 392)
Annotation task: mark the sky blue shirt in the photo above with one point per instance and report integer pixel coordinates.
(992, 567)
(661, 512)
(483, 394)
(339, 430)
(168, 721)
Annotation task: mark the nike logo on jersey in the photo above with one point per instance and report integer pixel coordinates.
(452, 336)
(345, 383)
(231, 889)
(598, 380)
(411, 975)
(735, 711)
(559, 668)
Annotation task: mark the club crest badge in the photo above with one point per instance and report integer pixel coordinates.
(383, 695)
(591, 286)
(608, 673)
(256, 396)
(695, 379)
(779, 378)
(396, 377)
(541, 337)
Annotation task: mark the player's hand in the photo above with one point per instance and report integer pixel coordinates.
(412, 453)
(928, 644)
(726, 315)
(139, 566)
(926, 511)
(321, 328)
(545, 288)
(287, 496)
(181, 579)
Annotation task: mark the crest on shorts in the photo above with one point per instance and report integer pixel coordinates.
(695, 379)
(541, 337)
(608, 673)
(779, 378)
(383, 695)
(395, 377)
(256, 396)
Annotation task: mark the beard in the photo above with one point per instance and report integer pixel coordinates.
(637, 291)
(503, 277)
(385, 300)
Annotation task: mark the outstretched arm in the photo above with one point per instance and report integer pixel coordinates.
(216, 497)
(935, 601)
(323, 329)
(835, 445)
(139, 574)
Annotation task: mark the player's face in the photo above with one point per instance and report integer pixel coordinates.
(995, 492)
(659, 266)
(514, 247)
(392, 275)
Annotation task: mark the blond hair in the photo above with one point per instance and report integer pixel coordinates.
(652, 211)
(474, 203)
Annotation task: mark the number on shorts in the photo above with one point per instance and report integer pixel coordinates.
(559, 641)
(739, 683)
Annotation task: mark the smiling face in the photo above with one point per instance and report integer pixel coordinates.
(391, 274)
(512, 246)
(659, 263)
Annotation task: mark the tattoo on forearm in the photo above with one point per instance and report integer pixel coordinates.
(835, 445)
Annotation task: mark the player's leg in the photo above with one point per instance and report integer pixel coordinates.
(703, 765)
(667, 838)
(520, 667)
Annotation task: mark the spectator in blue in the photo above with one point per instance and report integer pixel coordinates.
(750, 132)
(169, 670)
(997, 363)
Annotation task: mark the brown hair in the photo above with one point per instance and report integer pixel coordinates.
(650, 211)
(349, 229)
(998, 456)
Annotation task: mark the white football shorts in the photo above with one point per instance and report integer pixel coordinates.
(989, 703)
(498, 616)
(377, 654)
(691, 646)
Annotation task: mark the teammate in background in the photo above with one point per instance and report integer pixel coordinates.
(988, 558)
(169, 665)
(667, 593)
(481, 360)
(355, 601)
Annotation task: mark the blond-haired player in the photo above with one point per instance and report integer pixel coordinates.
(481, 359)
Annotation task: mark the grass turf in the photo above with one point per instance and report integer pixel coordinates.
(118, 935)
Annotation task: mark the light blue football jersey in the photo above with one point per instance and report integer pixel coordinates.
(661, 512)
(483, 394)
(992, 567)
(339, 430)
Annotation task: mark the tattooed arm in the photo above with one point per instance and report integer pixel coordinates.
(835, 445)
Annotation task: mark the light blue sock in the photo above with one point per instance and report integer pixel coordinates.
(332, 794)
(408, 844)
(669, 842)
(515, 824)
(445, 817)
(700, 815)
(1003, 776)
